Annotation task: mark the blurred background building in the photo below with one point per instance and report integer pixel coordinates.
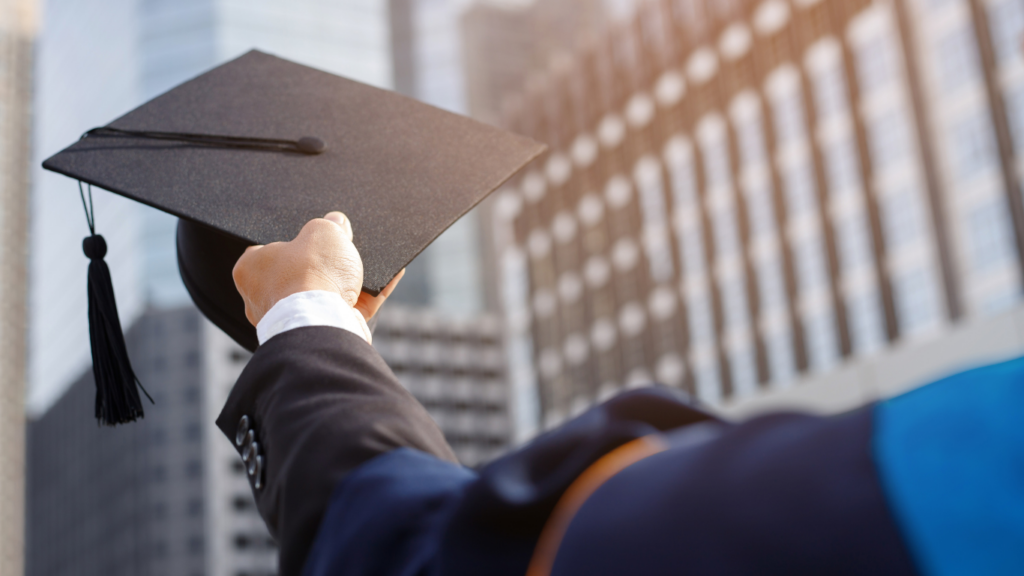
(507, 42)
(17, 35)
(808, 203)
(426, 65)
(163, 496)
(745, 197)
(455, 368)
(507, 45)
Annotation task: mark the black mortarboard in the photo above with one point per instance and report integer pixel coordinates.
(250, 151)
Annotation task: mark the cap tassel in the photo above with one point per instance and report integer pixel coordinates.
(117, 386)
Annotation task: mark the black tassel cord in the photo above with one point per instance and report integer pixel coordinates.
(310, 145)
(117, 387)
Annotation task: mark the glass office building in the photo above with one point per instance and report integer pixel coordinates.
(17, 36)
(740, 195)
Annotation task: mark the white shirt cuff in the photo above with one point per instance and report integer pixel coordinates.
(313, 308)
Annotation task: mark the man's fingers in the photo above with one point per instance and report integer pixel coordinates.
(321, 257)
(391, 285)
(246, 256)
(369, 305)
(342, 221)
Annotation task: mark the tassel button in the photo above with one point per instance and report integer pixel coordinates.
(95, 247)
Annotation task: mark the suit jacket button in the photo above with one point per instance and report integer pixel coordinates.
(243, 428)
(257, 474)
(250, 441)
(254, 454)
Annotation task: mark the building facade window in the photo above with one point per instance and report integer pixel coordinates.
(876, 64)
(780, 359)
(990, 237)
(830, 93)
(974, 146)
(903, 220)
(655, 219)
(842, 168)
(721, 198)
(854, 242)
(1015, 111)
(695, 286)
(798, 182)
(821, 342)
(802, 208)
(1006, 21)
(889, 139)
(761, 213)
(866, 328)
(916, 300)
(766, 245)
(957, 56)
(810, 265)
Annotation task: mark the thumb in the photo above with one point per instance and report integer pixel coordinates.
(342, 221)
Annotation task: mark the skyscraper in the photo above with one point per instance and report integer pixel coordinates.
(134, 483)
(427, 66)
(457, 55)
(164, 495)
(744, 194)
(17, 35)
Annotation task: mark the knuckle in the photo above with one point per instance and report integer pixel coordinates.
(317, 225)
(238, 273)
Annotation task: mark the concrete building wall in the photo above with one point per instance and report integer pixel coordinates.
(17, 35)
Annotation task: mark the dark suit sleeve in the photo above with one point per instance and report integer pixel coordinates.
(321, 402)
(405, 513)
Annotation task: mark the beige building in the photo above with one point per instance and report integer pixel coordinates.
(16, 43)
(801, 201)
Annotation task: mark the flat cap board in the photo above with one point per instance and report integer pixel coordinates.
(401, 170)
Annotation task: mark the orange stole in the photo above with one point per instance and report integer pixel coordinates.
(579, 491)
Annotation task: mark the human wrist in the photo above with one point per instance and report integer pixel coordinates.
(288, 288)
(312, 308)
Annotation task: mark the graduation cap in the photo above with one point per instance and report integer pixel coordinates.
(250, 151)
